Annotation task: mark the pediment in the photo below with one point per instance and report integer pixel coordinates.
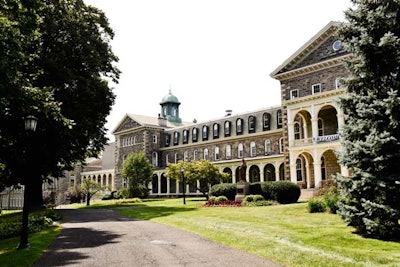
(125, 124)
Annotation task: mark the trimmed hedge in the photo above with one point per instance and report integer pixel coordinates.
(284, 192)
(227, 190)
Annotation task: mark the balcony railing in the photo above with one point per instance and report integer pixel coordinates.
(316, 140)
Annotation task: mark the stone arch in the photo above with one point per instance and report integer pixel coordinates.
(269, 172)
(282, 171)
(305, 170)
(254, 174)
(164, 184)
(228, 171)
(154, 184)
(327, 120)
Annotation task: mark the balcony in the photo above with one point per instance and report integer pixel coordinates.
(316, 140)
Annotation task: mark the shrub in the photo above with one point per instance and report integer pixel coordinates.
(74, 195)
(331, 200)
(140, 191)
(261, 188)
(222, 199)
(227, 190)
(253, 198)
(316, 204)
(284, 192)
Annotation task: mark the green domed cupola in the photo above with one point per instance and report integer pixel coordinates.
(170, 108)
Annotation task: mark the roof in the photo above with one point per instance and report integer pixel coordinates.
(170, 98)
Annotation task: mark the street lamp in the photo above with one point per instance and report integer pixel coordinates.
(183, 185)
(30, 126)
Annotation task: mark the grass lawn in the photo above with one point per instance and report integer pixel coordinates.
(10, 256)
(287, 234)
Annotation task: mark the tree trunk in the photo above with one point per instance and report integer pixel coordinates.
(88, 200)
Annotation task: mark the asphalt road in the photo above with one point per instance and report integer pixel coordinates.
(100, 237)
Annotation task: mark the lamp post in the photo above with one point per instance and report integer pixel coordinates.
(30, 126)
(183, 185)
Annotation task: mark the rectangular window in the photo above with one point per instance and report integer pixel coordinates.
(294, 93)
(154, 139)
(316, 88)
(338, 83)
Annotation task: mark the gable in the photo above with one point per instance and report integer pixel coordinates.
(126, 124)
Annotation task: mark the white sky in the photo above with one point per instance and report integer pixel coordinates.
(215, 54)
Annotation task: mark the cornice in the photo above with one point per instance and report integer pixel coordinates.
(314, 97)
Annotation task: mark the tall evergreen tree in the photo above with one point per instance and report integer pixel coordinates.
(371, 135)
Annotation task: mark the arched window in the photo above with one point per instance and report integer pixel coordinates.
(323, 169)
(216, 130)
(252, 124)
(195, 155)
(228, 152)
(253, 149)
(320, 127)
(185, 156)
(205, 132)
(240, 150)
(279, 119)
(239, 126)
(299, 170)
(266, 121)
(154, 159)
(206, 157)
(297, 134)
(227, 128)
(176, 158)
(267, 147)
(195, 135)
(216, 153)
(167, 139)
(134, 140)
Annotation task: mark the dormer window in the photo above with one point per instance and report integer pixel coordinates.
(176, 138)
(216, 131)
(227, 128)
(266, 121)
(167, 139)
(316, 88)
(252, 124)
(205, 132)
(195, 135)
(185, 137)
(239, 126)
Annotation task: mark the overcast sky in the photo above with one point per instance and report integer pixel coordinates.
(213, 54)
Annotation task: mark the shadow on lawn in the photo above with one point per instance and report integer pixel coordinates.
(144, 212)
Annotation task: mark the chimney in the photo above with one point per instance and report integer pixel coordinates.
(228, 112)
(162, 121)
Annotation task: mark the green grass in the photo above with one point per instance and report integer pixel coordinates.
(10, 256)
(287, 234)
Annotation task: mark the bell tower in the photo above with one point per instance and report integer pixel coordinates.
(170, 108)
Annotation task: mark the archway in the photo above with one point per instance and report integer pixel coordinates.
(228, 171)
(163, 184)
(154, 184)
(254, 174)
(269, 173)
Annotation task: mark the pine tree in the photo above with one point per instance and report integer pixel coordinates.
(371, 135)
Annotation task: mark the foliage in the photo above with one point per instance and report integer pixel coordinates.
(316, 204)
(137, 170)
(56, 63)
(371, 135)
(10, 225)
(228, 190)
(74, 195)
(90, 188)
(261, 188)
(122, 193)
(284, 192)
(203, 171)
(255, 201)
(253, 198)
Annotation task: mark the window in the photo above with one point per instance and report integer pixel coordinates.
(294, 94)
(154, 139)
(299, 170)
(205, 132)
(316, 88)
(323, 169)
(206, 154)
(266, 121)
(239, 126)
(281, 148)
(176, 158)
(216, 130)
(176, 138)
(227, 128)
(185, 156)
(154, 159)
(167, 139)
(195, 134)
(216, 154)
(167, 159)
(195, 155)
(279, 119)
(253, 149)
(320, 127)
(252, 124)
(134, 140)
(185, 137)
(240, 151)
(267, 147)
(228, 152)
(297, 134)
(338, 83)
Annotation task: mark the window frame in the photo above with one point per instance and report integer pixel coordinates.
(252, 124)
(313, 88)
(239, 126)
(205, 132)
(253, 149)
(216, 130)
(294, 93)
(227, 128)
(266, 121)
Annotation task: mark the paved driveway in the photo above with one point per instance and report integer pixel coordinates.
(100, 237)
